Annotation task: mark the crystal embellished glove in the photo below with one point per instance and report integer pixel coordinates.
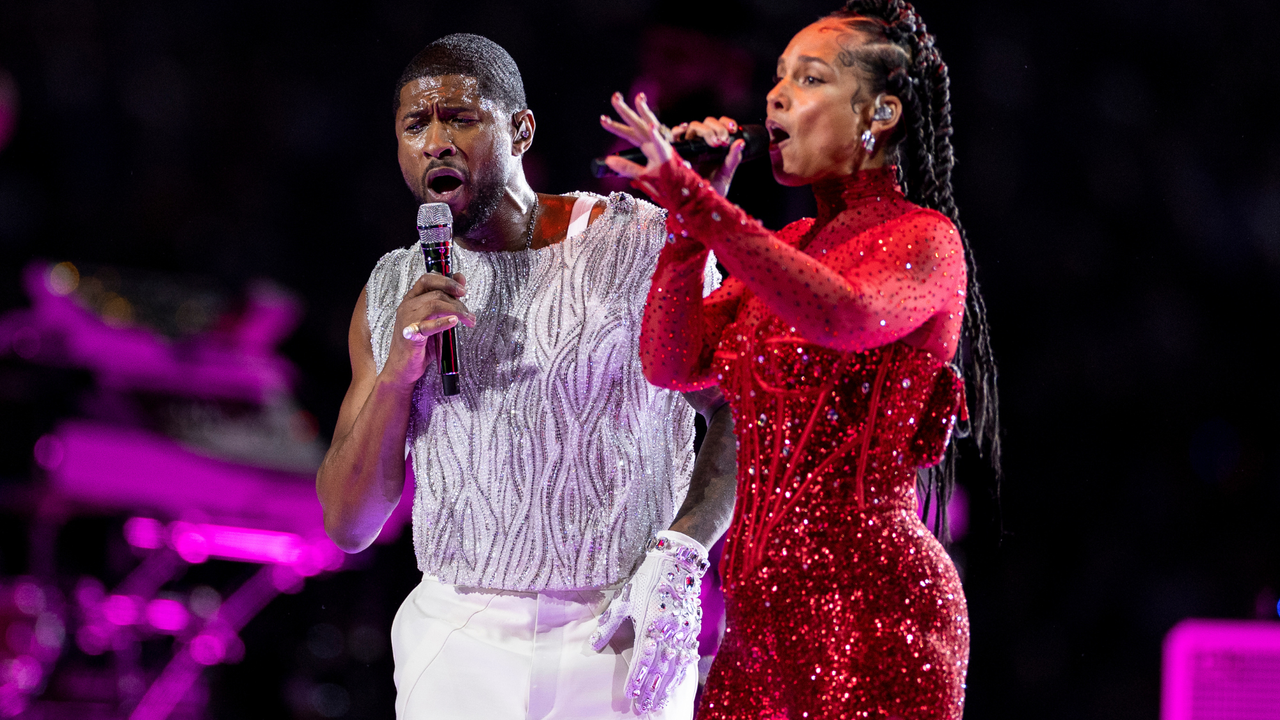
(662, 601)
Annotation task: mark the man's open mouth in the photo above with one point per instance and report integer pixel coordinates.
(444, 181)
(777, 135)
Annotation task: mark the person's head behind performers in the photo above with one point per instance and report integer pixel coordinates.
(462, 125)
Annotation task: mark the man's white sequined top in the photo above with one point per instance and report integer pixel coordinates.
(558, 461)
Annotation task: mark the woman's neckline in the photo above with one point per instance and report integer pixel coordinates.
(835, 195)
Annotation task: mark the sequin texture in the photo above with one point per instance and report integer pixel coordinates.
(830, 340)
(558, 461)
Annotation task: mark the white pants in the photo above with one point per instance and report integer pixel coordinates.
(473, 654)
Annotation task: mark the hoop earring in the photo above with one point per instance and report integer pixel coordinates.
(868, 142)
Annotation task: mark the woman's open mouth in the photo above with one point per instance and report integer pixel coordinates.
(776, 134)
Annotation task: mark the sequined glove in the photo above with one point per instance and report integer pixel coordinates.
(662, 601)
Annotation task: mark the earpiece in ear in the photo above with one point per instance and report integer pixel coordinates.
(883, 112)
(524, 134)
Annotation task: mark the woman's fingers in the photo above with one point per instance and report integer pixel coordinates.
(624, 167)
(641, 128)
(731, 162)
(642, 106)
(627, 114)
(723, 175)
(626, 132)
(716, 132)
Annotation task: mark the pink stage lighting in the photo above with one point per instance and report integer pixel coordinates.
(121, 609)
(144, 533)
(957, 514)
(167, 615)
(1222, 670)
(197, 542)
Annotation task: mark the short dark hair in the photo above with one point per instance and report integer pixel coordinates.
(474, 56)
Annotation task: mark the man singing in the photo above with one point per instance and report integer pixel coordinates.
(557, 495)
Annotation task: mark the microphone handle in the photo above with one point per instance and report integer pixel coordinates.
(438, 260)
(696, 150)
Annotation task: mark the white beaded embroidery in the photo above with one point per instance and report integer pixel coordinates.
(558, 461)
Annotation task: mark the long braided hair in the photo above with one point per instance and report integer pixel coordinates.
(898, 57)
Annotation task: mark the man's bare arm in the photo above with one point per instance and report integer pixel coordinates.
(708, 507)
(362, 476)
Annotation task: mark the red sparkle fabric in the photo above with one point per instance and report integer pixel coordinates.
(830, 341)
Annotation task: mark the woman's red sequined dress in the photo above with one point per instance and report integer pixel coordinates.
(830, 340)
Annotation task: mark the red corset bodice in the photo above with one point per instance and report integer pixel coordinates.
(823, 434)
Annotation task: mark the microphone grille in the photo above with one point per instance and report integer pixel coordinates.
(434, 215)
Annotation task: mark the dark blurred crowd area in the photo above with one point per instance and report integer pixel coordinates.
(1118, 176)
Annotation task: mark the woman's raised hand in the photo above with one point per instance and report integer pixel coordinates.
(716, 132)
(641, 128)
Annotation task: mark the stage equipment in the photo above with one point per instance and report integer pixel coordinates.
(1221, 670)
(191, 432)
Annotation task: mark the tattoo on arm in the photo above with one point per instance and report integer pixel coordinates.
(708, 507)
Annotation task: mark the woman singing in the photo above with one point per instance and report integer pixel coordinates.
(832, 341)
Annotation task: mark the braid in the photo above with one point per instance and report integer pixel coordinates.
(899, 57)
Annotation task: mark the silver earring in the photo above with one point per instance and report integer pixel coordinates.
(524, 135)
(868, 141)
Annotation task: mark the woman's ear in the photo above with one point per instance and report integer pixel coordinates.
(885, 114)
(522, 126)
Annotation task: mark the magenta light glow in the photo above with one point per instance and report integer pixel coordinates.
(128, 469)
(123, 468)
(121, 609)
(1221, 669)
(167, 615)
(197, 542)
(25, 672)
(207, 649)
(217, 642)
(957, 513)
(144, 533)
(236, 365)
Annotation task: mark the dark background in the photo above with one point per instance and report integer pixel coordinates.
(1119, 177)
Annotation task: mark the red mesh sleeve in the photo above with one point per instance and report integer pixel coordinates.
(878, 288)
(680, 330)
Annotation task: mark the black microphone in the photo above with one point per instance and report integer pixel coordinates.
(435, 231)
(697, 151)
